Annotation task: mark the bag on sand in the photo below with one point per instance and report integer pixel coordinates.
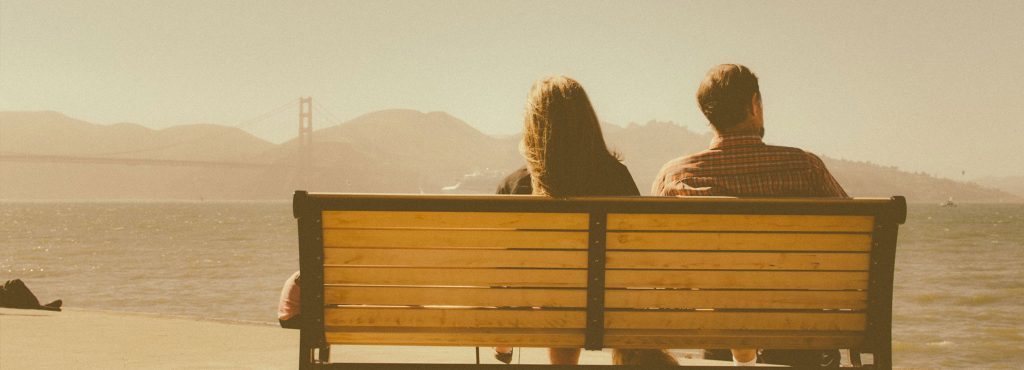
(14, 294)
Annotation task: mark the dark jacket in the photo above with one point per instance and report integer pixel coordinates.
(618, 182)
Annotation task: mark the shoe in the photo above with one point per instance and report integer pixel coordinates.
(505, 357)
(52, 306)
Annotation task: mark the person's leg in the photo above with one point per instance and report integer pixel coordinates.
(717, 354)
(802, 358)
(643, 357)
(564, 356)
(744, 357)
(503, 354)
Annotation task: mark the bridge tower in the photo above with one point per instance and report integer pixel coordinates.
(305, 139)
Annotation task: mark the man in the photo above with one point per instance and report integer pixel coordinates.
(738, 163)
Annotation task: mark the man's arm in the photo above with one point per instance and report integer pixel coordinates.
(829, 186)
(659, 183)
(659, 188)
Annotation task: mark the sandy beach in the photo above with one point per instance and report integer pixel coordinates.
(74, 339)
(81, 339)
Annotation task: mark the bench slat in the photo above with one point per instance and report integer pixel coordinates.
(455, 277)
(740, 241)
(708, 320)
(530, 318)
(716, 320)
(614, 338)
(421, 296)
(456, 258)
(714, 222)
(626, 338)
(831, 280)
(456, 337)
(756, 299)
(738, 261)
(454, 318)
(455, 220)
(415, 238)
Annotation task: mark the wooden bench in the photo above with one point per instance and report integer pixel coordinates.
(623, 272)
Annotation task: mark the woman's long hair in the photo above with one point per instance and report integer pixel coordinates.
(562, 142)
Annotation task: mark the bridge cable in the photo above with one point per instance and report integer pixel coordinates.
(323, 109)
(250, 123)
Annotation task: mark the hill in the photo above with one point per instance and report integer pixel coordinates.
(53, 133)
(865, 179)
(1010, 184)
(439, 148)
(387, 151)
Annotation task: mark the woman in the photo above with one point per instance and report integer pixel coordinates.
(566, 156)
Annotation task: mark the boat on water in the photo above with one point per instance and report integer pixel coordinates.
(948, 203)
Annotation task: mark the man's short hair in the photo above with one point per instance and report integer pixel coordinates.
(725, 95)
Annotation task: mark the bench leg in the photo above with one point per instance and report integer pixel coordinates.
(310, 354)
(305, 353)
(855, 358)
(325, 354)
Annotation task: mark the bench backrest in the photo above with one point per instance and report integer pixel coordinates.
(626, 272)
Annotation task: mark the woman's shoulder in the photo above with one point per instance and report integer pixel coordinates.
(622, 179)
(619, 167)
(619, 170)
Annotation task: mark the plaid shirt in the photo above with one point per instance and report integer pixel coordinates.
(742, 165)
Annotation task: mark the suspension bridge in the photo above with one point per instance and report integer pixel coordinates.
(137, 157)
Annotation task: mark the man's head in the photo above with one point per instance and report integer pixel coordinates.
(730, 98)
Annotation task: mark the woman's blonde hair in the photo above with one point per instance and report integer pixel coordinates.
(562, 141)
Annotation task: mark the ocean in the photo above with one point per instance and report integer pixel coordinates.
(958, 300)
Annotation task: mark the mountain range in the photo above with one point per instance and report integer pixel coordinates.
(390, 151)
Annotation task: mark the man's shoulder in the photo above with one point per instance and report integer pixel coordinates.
(796, 153)
(785, 149)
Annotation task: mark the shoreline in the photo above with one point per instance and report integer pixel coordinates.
(86, 338)
(158, 315)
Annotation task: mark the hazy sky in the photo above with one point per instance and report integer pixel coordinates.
(934, 86)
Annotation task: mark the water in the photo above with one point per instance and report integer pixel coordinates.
(211, 259)
(959, 286)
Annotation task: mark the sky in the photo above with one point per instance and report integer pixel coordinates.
(930, 86)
